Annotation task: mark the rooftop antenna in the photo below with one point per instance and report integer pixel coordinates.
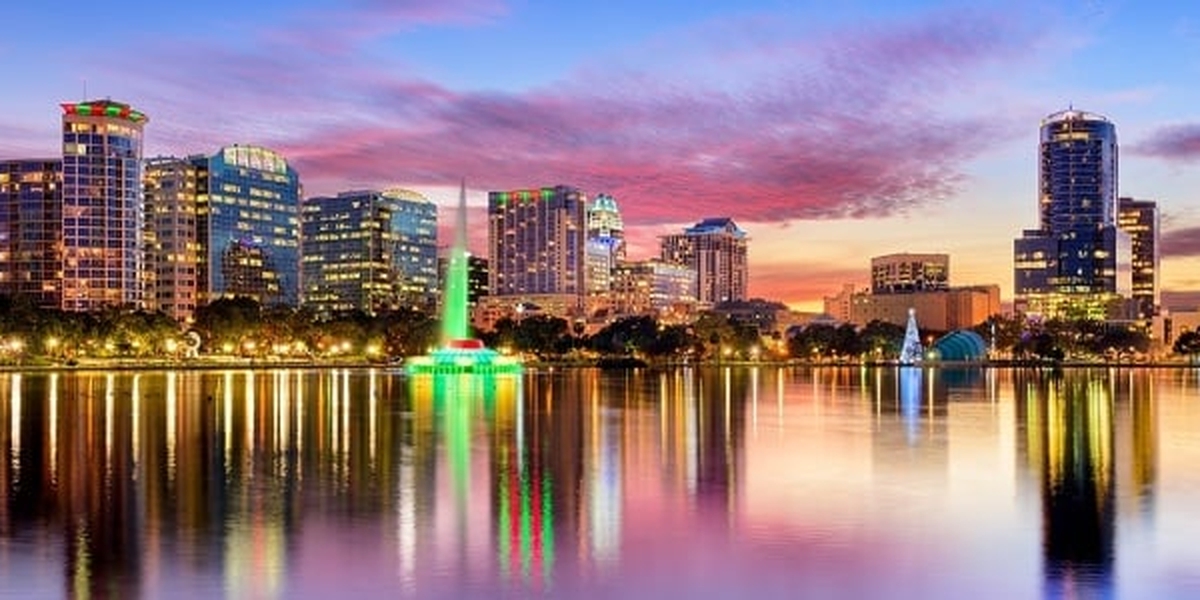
(84, 90)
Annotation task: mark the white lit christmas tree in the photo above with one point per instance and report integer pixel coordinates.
(911, 351)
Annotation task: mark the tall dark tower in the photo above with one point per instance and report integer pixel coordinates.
(1069, 263)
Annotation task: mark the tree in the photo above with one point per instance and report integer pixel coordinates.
(1188, 344)
(879, 339)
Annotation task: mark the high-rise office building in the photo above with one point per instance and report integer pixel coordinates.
(172, 251)
(31, 230)
(245, 238)
(605, 247)
(1139, 219)
(716, 250)
(907, 272)
(1069, 264)
(537, 242)
(102, 218)
(653, 287)
(249, 226)
(370, 251)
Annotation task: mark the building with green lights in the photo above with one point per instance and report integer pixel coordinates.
(536, 240)
(102, 210)
(370, 251)
(222, 226)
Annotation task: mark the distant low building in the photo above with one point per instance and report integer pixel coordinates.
(492, 309)
(838, 306)
(955, 308)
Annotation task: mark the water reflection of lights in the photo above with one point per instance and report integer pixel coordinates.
(910, 399)
(14, 390)
(53, 433)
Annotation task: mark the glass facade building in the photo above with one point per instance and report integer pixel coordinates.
(1069, 264)
(222, 226)
(102, 218)
(537, 241)
(605, 247)
(716, 250)
(248, 226)
(31, 230)
(370, 251)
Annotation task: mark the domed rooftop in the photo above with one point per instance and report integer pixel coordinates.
(961, 345)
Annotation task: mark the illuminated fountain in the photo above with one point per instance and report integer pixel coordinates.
(457, 351)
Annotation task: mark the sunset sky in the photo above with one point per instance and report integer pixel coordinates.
(831, 131)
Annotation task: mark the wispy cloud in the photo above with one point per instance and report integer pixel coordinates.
(1174, 142)
(1180, 243)
(847, 124)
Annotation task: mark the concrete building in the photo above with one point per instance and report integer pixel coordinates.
(907, 272)
(172, 249)
(716, 249)
(370, 250)
(946, 310)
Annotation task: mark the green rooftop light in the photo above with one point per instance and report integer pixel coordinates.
(104, 108)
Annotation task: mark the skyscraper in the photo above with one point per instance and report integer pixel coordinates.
(172, 251)
(1069, 264)
(605, 247)
(536, 241)
(1139, 219)
(232, 219)
(31, 230)
(370, 250)
(716, 249)
(102, 216)
(249, 226)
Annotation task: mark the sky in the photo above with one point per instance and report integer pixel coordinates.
(831, 131)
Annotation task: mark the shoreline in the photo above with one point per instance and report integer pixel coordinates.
(210, 364)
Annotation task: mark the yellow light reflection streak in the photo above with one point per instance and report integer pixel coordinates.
(136, 419)
(251, 413)
(15, 424)
(53, 427)
(172, 444)
(109, 380)
(373, 401)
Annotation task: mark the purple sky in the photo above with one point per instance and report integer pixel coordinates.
(831, 131)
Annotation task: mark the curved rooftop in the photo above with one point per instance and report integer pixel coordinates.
(1073, 114)
(960, 345)
(405, 194)
(254, 157)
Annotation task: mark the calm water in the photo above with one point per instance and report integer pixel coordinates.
(741, 482)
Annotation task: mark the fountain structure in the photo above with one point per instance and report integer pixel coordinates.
(458, 352)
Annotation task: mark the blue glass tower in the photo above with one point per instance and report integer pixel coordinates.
(1069, 263)
(248, 226)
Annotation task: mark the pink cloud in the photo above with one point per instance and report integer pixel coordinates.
(1181, 243)
(845, 126)
(1176, 142)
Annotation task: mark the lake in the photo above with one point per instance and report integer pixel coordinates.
(721, 482)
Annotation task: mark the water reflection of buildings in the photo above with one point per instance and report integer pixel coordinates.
(1084, 431)
(149, 474)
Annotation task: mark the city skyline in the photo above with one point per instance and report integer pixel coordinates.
(829, 133)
